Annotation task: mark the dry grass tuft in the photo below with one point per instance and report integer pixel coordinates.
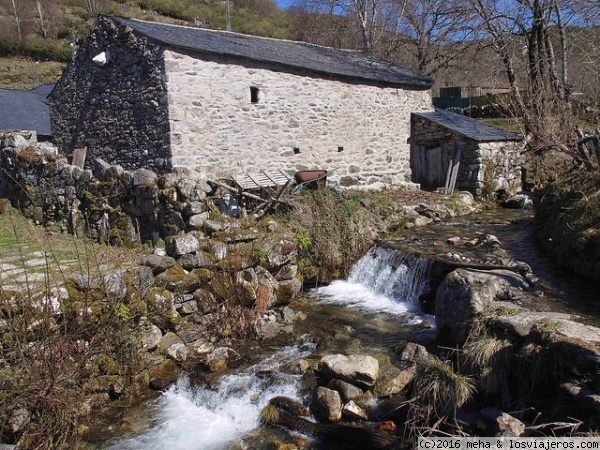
(438, 387)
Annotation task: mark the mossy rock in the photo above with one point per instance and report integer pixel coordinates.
(203, 276)
(163, 375)
(172, 278)
(313, 275)
(4, 205)
(286, 291)
(161, 308)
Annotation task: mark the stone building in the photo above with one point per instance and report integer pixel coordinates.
(488, 157)
(151, 95)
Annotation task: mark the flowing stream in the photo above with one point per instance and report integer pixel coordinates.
(369, 313)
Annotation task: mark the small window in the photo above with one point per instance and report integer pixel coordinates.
(253, 94)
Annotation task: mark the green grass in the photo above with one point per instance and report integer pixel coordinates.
(23, 73)
(29, 253)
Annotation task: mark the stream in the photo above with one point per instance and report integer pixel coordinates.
(369, 313)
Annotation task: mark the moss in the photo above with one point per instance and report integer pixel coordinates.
(285, 293)
(163, 375)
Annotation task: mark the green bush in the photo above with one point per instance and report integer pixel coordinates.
(45, 51)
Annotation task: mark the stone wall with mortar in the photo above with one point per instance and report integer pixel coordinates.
(117, 110)
(484, 166)
(298, 121)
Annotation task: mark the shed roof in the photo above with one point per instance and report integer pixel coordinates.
(349, 64)
(25, 110)
(467, 126)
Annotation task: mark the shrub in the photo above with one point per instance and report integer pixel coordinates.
(439, 388)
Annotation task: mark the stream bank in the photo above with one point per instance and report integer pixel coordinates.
(536, 360)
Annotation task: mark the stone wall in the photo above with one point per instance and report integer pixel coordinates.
(107, 202)
(297, 121)
(119, 110)
(484, 166)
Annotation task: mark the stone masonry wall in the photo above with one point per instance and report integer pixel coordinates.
(492, 166)
(299, 122)
(119, 110)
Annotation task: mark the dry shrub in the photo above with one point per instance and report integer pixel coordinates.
(489, 358)
(439, 388)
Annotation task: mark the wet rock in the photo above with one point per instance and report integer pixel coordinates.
(199, 349)
(269, 330)
(288, 316)
(491, 241)
(518, 201)
(346, 390)
(466, 292)
(326, 405)
(181, 245)
(218, 360)
(286, 291)
(454, 240)
(163, 374)
(503, 424)
(158, 263)
(360, 370)
(351, 411)
(173, 347)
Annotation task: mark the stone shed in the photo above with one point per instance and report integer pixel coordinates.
(144, 94)
(489, 158)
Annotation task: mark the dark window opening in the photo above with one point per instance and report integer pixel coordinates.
(296, 150)
(340, 149)
(253, 94)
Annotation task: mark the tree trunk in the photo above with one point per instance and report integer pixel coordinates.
(17, 21)
(43, 29)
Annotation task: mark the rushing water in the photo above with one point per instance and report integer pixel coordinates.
(189, 417)
(383, 280)
(367, 313)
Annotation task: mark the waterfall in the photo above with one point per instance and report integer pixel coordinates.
(382, 280)
(197, 418)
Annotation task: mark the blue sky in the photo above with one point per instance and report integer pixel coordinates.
(284, 3)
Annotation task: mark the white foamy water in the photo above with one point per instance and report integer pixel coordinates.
(193, 418)
(382, 281)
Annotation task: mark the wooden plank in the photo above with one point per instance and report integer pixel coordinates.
(79, 155)
(455, 167)
(448, 174)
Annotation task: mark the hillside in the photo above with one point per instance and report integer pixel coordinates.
(37, 50)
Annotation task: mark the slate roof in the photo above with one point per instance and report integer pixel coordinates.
(348, 64)
(469, 127)
(25, 110)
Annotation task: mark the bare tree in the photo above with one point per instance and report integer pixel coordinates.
(17, 18)
(94, 6)
(436, 31)
(42, 20)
